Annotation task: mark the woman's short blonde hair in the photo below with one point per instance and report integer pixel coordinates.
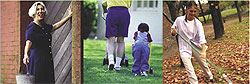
(32, 10)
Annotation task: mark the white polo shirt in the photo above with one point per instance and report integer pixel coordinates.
(183, 28)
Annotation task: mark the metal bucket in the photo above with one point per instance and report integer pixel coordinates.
(25, 79)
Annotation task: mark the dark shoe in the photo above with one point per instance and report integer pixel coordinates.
(104, 61)
(212, 80)
(111, 66)
(126, 63)
(182, 64)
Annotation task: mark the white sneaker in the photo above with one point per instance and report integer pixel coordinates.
(136, 74)
(117, 68)
(144, 73)
(111, 62)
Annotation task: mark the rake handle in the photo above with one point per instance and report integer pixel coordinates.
(200, 53)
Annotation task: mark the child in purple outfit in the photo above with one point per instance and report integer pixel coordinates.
(141, 50)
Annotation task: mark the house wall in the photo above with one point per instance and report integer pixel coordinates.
(10, 41)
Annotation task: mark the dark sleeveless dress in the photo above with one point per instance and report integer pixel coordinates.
(40, 57)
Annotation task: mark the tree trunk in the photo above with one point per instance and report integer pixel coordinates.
(169, 20)
(238, 10)
(183, 10)
(202, 12)
(77, 53)
(172, 9)
(174, 14)
(217, 19)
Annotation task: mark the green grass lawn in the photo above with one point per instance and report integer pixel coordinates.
(95, 73)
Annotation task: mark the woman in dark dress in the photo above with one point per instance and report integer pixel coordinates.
(37, 53)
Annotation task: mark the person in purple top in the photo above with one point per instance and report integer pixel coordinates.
(141, 50)
(37, 53)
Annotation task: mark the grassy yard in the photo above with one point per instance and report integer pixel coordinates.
(95, 73)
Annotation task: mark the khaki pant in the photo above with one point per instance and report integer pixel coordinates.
(190, 69)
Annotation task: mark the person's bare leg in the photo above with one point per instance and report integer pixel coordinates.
(110, 50)
(120, 51)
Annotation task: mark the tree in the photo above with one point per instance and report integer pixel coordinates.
(202, 12)
(217, 18)
(89, 17)
(174, 8)
(238, 10)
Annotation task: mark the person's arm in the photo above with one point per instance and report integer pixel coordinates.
(202, 39)
(63, 21)
(174, 27)
(149, 38)
(173, 32)
(104, 6)
(203, 52)
(130, 3)
(135, 35)
(104, 9)
(26, 51)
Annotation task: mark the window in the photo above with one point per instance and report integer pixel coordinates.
(151, 4)
(139, 4)
(146, 5)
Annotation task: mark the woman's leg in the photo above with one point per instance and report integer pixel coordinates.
(110, 50)
(120, 51)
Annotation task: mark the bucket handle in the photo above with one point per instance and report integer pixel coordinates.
(27, 68)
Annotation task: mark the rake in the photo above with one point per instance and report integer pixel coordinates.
(223, 75)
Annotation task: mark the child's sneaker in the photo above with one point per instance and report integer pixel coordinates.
(144, 73)
(135, 74)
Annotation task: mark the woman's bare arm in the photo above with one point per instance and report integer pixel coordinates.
(63, 21)
(26, 51)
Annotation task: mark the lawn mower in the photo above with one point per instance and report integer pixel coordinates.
(150, 69)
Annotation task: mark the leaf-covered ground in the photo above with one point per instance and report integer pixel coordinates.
(229, 53)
